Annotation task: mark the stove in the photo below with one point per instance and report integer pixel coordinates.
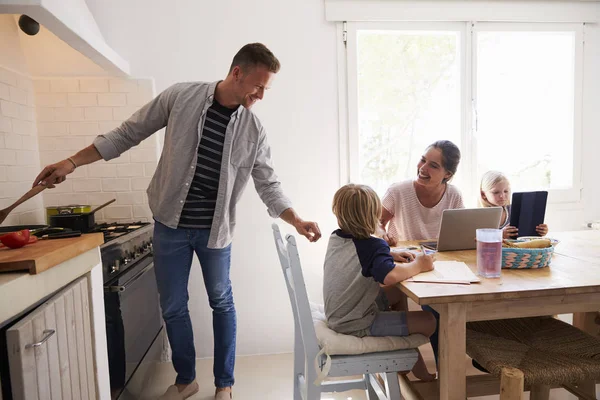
(131, 302)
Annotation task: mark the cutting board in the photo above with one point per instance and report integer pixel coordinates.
(44, 254)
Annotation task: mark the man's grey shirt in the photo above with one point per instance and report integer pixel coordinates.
(182, 110)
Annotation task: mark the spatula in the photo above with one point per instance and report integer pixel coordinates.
(32, 192)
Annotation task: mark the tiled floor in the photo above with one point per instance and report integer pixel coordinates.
(270, 378)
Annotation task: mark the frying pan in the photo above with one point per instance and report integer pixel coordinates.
(77, 222)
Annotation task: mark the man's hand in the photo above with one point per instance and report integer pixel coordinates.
(54, 174)
(308, 229)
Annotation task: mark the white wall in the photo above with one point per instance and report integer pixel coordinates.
(19, 156)
(192, 40)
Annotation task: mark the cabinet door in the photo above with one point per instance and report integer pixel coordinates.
(50, 351)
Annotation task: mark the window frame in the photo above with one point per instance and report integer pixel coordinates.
(348, 94)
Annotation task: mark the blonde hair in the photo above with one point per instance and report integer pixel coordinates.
(488, 181)
(357, 208)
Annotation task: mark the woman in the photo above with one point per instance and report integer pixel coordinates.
(414, 207)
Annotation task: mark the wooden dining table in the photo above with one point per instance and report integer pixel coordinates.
(571, 284)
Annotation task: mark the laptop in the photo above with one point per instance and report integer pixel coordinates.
(458, 226)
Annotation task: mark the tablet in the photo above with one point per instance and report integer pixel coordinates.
(527, 211)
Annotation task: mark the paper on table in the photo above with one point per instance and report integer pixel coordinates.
(447, 272)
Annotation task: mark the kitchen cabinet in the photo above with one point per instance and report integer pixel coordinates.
(51, 352)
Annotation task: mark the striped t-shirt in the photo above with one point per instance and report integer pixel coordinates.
(199, 207)
(411, 220)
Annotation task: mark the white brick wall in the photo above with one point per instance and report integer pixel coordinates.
(19, 155)
(71, 112)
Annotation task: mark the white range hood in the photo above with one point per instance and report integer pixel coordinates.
(73, 23)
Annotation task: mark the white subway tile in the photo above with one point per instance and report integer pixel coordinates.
(97, 199)
(8, 77)
(69, 114)
(41, 85)
(8, 157)
(62, 188)
(71, 143)
(112, 99)
(47, 144)
(115, 185)
(12, 219)
(130, 170)
(18, 96)
(140, 184)
(13, 141)
(123, 113)
(22, 173)
(45, 114)
(31, 99)
(10, 190)
(51, 157)
(26, 157)
(2, 146)
(83, 128)
(122, 159)
(3, 176)
(143, 155)
(4, 91)
(51, 99)
(27, 113)
(5, 124)
(83, 99)
(53, 199)
(108, 126)
(137, 99)
(23, 127)
(142, 212)
(25, 84)
(93, 85)
(149, 169)
(102, 170)
(123, 85)
(98, 114)
(124, 212)
(9, 109)
(33, 217)
(131, 198)
(53, 128)
(30, 142)
(79, 173)
(87, 185)
(74, 198)
(64, 85)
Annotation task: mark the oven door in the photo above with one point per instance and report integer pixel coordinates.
(133, 321)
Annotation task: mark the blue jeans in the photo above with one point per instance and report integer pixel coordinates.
(434, 339)
(173, 252)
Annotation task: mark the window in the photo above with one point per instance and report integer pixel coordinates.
(507, 94)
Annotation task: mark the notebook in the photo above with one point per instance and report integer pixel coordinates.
(447, 272)
(527, 211)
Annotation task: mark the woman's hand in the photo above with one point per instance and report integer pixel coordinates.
(510, 232)
(542, 229)
(402, 256)
(389, 239)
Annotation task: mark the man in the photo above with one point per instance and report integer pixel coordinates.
(213, 145)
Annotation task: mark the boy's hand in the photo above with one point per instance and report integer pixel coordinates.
(542, 229)
(510, 232)
(425, 262)
(402, 256)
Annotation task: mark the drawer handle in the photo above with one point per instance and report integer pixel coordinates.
(48, 333)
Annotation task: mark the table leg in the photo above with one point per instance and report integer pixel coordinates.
(586, 321)
(453, 347)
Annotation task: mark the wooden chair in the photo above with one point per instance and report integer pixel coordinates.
(311, 364)
(539, 353)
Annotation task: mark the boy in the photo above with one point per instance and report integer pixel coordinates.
(357, 264)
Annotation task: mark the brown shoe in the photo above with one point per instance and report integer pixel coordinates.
(173, 392)
(225, 394)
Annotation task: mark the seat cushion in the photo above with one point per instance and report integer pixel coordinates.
(334, 343)
(548, 351)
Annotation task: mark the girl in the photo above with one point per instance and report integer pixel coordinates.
(495, 192)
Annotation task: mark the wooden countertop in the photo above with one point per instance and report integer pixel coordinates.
(44, 254)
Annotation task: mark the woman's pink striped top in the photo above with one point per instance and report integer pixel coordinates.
(411, 220)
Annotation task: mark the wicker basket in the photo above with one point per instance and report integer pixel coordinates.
(514, 258)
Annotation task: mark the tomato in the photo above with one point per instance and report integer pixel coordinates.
(14, 240)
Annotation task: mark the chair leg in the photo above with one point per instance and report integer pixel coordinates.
(539, 392)
(512, 383)
(371, 393)
(299, 361)
(392, 386)
(313, 392)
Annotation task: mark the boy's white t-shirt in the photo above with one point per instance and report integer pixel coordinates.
(411, 220)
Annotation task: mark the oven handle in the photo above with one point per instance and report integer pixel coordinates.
(131, 281)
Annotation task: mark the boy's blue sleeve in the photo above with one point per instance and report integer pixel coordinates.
(375, 258)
